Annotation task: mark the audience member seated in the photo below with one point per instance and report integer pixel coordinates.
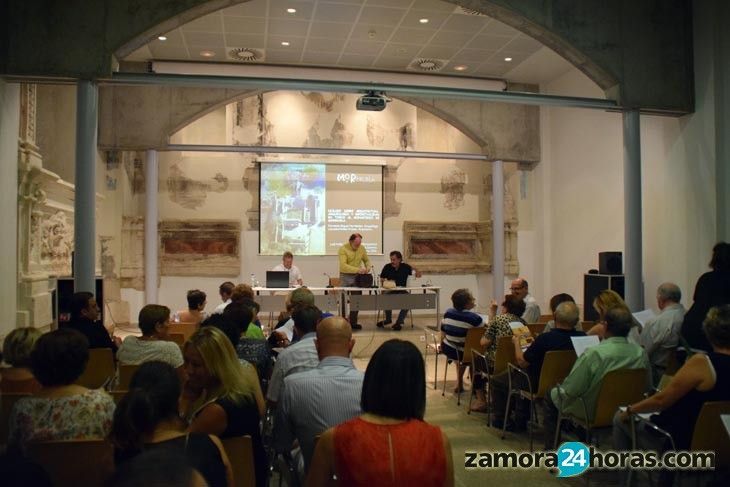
(196, 305)
(154, 322)
(284, 332)
(512, 309)
(221, 396)
(147, 418)
(158, 468)
(240, 311)
(225, 290)
(60, 410)
(454, 327)
(554, 302)
(613, 353)
(703, 378)
(320, 398)
(85, 319)
(606, 300)
(253, 351)
(520, 290)
(712, 289)
(298, 356)
(17, 350)
(361, 451)
(559, 338)
(660, 335)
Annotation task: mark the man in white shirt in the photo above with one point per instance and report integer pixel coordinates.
(295, 276)
(660, 335)
(520, 289)
(225, 290)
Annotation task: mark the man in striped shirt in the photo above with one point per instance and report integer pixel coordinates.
(317, 399)
(457, 321)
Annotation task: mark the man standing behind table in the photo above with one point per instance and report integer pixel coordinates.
(353, 261)
(397, 271)
(295, 275)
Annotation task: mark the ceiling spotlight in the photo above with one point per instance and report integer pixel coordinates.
(162, 38)
(207, 53)
(423, 21)
(508, 59)
(285, 43)
(291, 10)
(460, 67)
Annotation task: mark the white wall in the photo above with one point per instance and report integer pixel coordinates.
(9, 127)
(581, 180)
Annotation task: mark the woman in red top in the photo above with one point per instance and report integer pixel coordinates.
(390, 444)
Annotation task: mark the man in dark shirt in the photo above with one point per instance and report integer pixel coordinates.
(559, 338)
(397, 271)
(84, 318)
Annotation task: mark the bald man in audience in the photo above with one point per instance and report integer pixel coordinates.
(317, 399)
(660, 335)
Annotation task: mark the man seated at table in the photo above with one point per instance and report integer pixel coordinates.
(559, 338)
(397, 271)
(295, 275)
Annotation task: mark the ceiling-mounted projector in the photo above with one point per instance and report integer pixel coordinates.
(372, 101)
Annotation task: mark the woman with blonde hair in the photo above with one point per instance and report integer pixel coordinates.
(606, 300)
(16, 352)
(221, 396)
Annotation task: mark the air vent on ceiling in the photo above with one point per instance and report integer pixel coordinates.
(468, 11)
(427, 64)
(246, 54)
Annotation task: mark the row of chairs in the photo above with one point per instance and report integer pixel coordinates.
(60, 459)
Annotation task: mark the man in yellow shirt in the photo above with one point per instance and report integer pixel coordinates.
(353, 261)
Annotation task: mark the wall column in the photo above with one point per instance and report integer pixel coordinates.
(498, 231)
(150, 228)
(633, 263)
(87, 110)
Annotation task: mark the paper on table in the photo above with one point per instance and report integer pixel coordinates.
(581, 344)
(643, 316)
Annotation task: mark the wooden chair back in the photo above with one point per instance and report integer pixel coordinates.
(99, 369)
(74, 462)
(240, 453)
(471, 342)
(504, 355)
(544, 318)
(710, 435)
(536, 328)
(7, 401)
(25, 386)
(587, 325)
(125, 376)
(555, 368)
(184, 328)
(118, 395)
(618, 388)
(178, 338)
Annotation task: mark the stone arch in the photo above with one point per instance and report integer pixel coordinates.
(533, 25)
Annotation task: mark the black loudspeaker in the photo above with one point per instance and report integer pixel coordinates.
(610, 263)
(594, 284)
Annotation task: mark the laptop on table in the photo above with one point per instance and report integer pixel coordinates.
(277, 279)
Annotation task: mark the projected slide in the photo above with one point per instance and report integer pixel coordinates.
(311, 209)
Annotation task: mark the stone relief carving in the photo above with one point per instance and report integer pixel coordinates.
(190, 193)
(132, 265)
(56, 238)
(452, 187)
(325, 102)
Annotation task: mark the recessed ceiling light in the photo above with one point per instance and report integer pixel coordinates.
(460, 67)
(207, 53)
(162, 38)
(423, 21)
(291, 10)
(285, 43)
(508, 59)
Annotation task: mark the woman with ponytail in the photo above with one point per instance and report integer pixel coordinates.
(147, 418)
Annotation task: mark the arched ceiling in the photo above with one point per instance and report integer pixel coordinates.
(424, 36)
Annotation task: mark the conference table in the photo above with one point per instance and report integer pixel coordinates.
(336, 299)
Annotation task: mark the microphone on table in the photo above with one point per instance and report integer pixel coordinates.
(329, 279)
